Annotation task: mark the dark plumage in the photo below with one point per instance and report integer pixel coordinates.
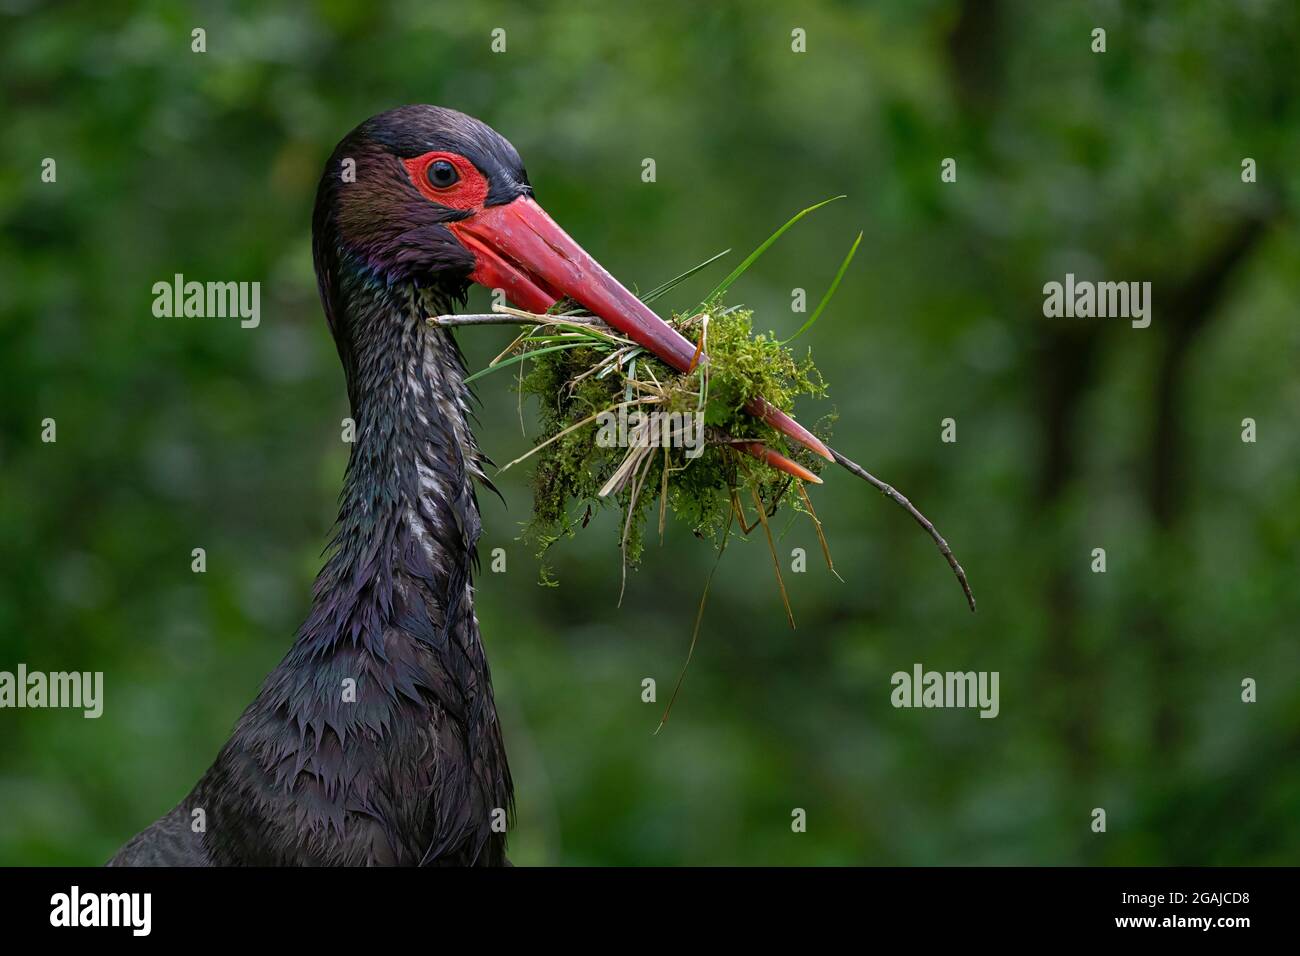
(413, 770)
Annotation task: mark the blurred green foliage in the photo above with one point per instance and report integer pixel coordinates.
(1119, 690)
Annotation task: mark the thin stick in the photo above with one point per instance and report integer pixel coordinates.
(771, 545)
(511, 347)
(638, 480)
(890, 492)
(631, 461)
(519, 390)
(506, 318)
(699, 617)
(593, 326)
(615, 356)
(583, 324)
(821, 536)
(663, 498)
(586, 421)
(738, 510)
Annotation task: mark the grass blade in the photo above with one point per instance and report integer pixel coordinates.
(835, 284)
(524, 355)
(672, 283)
(753, 256)
(699, 618)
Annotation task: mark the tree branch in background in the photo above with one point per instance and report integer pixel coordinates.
(1193, 303)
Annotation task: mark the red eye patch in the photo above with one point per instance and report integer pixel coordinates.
(467, 192)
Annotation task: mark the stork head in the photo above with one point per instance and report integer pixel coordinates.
(430, 197)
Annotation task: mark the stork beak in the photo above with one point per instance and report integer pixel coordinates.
(517, 247)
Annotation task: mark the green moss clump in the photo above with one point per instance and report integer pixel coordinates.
(575, 378)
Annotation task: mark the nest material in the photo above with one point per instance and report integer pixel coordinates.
(619, 427)
(579, 370)
(582, 372)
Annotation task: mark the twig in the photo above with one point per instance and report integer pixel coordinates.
(821, 534)
(508, 318)
(890, 492)
(586, 421)
(776, 562)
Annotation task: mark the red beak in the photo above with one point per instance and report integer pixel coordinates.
(519, 248)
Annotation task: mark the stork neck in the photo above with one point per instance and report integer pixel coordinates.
(408, 520)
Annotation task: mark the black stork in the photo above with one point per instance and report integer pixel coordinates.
(409, 768)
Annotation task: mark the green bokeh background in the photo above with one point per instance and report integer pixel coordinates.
(1119, 690)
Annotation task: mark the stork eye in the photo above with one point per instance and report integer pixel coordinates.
(442, 174)
(447, 179)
